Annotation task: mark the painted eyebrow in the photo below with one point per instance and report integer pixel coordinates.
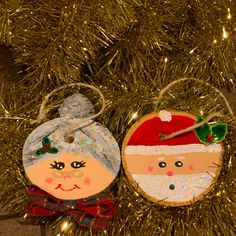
(181, 158)
(161, 158)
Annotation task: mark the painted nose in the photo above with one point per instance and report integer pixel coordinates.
(67, 176)
(169, 173)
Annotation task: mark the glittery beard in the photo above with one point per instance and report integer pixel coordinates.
(178, 188)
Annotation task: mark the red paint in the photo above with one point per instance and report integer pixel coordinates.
(190, 167)
(67, 176)
(209, 137)
(150, 168)
(70, 189)
(148, 132)
(87, 181)
(169, 173)
(49, 180)
(47, 147)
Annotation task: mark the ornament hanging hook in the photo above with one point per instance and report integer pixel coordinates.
(43, 111)
(165, 89)
(208, 118)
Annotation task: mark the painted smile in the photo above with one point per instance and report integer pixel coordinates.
(70, 189)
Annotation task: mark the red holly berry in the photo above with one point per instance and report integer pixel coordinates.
(47, 147)
(209, 137)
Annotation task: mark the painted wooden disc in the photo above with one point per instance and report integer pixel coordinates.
(173, 172)
(77, 167)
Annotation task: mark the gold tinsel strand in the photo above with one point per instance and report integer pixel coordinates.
(6, 8)
(131, 53)
(10, 77)
(53, 38)
(197, 38)
(136, 216)
(144, 38)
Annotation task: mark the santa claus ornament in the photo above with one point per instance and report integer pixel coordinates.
(176, 171)
(70, 160)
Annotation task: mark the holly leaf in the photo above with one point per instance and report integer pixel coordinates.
(53, 150)
(203, 131)
(219, 131)
(40, 151)
(46, 141)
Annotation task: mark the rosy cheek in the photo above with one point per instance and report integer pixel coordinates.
(150, 169)
(87, 181)
(49, 180)
(190, 167)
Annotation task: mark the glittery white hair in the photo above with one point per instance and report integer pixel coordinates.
(92, 139)
(76, 106)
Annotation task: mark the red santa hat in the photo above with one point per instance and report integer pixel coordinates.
(146, 138)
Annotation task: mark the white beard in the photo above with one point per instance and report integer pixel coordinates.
(186, 187)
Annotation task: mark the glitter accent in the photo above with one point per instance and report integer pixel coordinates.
(178, 149)
(92, 140)
(76, 106)
(165, 115)
(86, 142)
(186, 186)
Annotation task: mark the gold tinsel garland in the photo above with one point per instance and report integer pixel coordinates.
(214, 215)
(130, 49)
(196, 38)
(55, 38)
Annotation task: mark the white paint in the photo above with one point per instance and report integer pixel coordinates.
(187, 187)
(165, 115)
(165, 149)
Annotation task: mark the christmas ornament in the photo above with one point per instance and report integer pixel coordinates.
(213, 214)
(71, 158)
(69, 161)
(178, 171)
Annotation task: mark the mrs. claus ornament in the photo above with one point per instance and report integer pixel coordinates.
(70, 160)
(177, 171)
(76, 168)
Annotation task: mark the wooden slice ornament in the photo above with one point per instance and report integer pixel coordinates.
(69, 158)
(177, 171)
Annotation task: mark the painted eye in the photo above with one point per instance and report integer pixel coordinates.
(162, 164)
(78, 164)
(178, 164)
(57, 165)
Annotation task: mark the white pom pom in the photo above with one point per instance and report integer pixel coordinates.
(76, 106)
(165, 116)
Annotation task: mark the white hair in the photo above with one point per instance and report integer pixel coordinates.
(92, 139)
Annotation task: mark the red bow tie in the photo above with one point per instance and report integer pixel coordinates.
(93, 212)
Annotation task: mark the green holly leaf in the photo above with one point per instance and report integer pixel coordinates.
(46, 141)
(40, 151)
(219, 131)
(53, 150)
(203, 131)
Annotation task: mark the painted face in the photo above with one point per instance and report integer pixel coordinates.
(174, 179)
(174, 172)
(74, 168)
(70, 175)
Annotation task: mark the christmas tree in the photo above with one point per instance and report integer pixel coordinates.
(130, 50)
